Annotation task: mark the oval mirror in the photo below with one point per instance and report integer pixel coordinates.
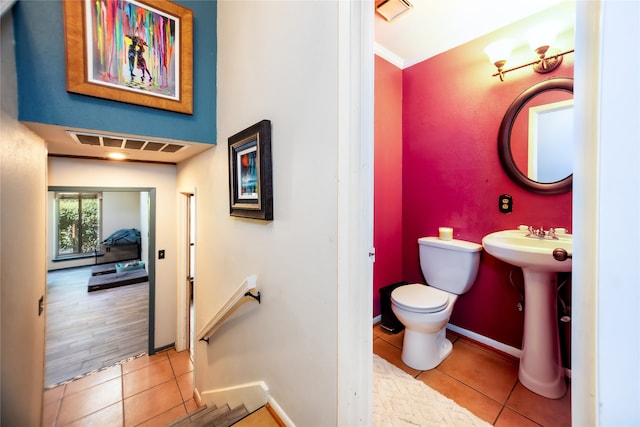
(535, 141)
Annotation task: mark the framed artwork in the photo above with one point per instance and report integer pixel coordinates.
(134, 51)
(250, 185)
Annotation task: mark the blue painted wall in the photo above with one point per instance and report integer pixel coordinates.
(43, 97)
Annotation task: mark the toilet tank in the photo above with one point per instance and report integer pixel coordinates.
(450, 265)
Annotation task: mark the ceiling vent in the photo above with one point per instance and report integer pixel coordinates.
(391, 9)
(111, 141)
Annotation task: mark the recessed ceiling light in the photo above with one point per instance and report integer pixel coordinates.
(117, 156)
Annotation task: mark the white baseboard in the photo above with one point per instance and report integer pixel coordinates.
(497, 345)
(196, 397)
(278, 410)
(515, 352)
(256, 395)
(252, 395)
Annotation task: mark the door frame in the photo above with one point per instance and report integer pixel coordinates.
(186, 233)
(151, 244)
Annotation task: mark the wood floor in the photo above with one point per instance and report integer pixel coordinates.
(87, 331)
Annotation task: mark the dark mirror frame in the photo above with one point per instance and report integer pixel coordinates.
(504, 139)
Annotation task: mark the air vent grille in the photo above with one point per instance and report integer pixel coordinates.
(134, 144)
(88, 140)
(153, 146)
(169, 148)
(112, 141)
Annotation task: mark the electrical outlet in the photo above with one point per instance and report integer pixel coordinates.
(161, 254)
(505, 203)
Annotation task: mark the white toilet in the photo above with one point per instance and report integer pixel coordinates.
(450, 268)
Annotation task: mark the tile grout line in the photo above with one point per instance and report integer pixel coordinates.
(504, 405)
(55, 421)
(473, 388)
(122, 395)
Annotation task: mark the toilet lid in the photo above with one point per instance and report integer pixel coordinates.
(420, 298)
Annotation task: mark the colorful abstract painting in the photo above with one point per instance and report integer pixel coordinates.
(132, 46)
(248, 172)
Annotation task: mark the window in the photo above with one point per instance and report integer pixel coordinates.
(78, 223)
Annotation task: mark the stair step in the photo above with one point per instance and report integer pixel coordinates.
(188, 419)
(231, 417)
(205, 416)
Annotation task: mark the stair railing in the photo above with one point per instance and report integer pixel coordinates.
(236, 300)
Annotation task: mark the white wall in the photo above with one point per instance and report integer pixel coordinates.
(606, 319)
(98, 173)
(281, 61)
(618, 294)
(22, 253)
(120, 210)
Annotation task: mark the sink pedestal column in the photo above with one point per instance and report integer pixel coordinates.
(541, 368)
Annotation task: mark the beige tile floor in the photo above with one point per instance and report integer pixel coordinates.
(147, 391)
(483, 381)
(156, 390)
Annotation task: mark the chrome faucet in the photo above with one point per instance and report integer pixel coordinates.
(540, 233)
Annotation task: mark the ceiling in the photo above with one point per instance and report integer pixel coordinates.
(431, 27)
(63, 141)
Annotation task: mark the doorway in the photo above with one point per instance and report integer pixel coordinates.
(186, 287)
(86, 331)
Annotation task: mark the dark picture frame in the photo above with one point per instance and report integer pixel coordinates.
(250, 173)
(134, 51)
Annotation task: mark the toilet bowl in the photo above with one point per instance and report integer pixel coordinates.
(450, 268)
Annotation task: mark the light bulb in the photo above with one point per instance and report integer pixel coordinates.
(499, 51)
(543, 35)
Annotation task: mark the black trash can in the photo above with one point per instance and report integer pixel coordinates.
(388, 320)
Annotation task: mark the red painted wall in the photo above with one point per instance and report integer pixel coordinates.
(452, 176)
(387, 178)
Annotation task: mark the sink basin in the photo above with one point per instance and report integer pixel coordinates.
(540, 367)
(529, 252)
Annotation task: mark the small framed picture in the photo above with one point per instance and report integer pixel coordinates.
(250, 185)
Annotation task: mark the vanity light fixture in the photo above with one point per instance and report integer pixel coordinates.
(391, 9)
(540, 40)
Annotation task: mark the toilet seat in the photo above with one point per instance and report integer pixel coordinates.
(420, 298)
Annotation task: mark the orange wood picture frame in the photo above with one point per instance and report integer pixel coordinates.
(121, 85)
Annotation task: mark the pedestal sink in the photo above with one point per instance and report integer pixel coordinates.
(540, 364)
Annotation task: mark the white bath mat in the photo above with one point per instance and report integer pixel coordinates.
(400, 400)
